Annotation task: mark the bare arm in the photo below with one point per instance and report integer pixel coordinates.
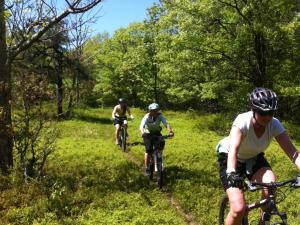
(166, 124)
(114, 112)
(290, 150)
(142, 125)
(128, 110)
(235, 139)
(129, 113)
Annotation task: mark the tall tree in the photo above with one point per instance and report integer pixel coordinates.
(225, 47)
(27, 26)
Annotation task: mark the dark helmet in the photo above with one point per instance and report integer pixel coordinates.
(263, 99)
(121, 100)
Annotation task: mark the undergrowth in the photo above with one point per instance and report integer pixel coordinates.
(88, 180)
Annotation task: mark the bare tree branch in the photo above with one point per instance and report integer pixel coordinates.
(27, 40)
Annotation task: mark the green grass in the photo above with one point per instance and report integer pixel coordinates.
(90, 181)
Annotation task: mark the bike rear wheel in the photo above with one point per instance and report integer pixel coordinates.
(224, 210)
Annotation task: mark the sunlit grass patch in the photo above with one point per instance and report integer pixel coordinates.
(89, 180)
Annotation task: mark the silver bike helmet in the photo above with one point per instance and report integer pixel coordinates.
(153, 106)
(263, 99)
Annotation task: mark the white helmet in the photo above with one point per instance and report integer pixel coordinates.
(153, 106)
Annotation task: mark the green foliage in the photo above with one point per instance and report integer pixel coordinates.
(90, 181)
(204, 54)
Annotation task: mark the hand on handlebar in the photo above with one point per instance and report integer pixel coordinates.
(297, 182)
(235, 180)
(171, 134)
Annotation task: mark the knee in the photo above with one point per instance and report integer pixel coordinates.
(237, 209)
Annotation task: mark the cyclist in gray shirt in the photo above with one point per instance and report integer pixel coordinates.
(242, 152)
(150, 125)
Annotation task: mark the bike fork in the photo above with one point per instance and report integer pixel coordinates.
(158, 161)
(155, 163)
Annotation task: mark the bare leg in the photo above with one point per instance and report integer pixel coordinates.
(146, 160)
(265, 175)
(117, 132)
(237, 206)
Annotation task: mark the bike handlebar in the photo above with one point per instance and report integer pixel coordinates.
(252, 185)
(168, 136)
(163, 136)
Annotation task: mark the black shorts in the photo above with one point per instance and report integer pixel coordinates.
(119, 120)
(259, 162)
(150, 140)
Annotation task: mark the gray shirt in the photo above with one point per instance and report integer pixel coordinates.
(150, 124)
(251, 145)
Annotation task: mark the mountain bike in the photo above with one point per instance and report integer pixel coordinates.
(156, 165)
(269, 203)
(122, 138)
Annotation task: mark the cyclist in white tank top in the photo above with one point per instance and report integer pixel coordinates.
(241, 153)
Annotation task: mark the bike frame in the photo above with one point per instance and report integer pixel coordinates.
(269, 203)
(122, 137)
(156, 159)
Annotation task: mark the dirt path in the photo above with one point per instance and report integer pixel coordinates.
(189, 218)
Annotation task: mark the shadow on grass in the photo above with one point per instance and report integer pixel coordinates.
(81, 186)
(94, 119)
(135, 143)
(198, 177)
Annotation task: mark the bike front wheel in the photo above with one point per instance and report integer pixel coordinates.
(224, 210)
(160, 179)
(151, 168)
(123, 139)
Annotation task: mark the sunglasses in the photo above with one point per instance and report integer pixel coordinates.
(266, 113)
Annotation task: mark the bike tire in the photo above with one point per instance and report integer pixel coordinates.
(160, 174)
(123, 138)
(160, 179)
(151, 168)
(224, 209)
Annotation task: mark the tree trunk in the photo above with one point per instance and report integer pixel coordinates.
(77, 91)
(59, 95)
(261, 61)
(72, 92)
(6, 140)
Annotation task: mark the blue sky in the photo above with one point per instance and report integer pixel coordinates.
(120, 13)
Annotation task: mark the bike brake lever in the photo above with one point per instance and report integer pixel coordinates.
(296, 184)
(249, 186)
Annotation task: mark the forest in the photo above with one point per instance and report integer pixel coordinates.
(198, 59)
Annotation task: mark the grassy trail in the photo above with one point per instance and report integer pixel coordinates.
(89, 181)
(188, 217)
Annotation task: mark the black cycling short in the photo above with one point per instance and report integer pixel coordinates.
(259, 160)
(119, 120)
(151, 139)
